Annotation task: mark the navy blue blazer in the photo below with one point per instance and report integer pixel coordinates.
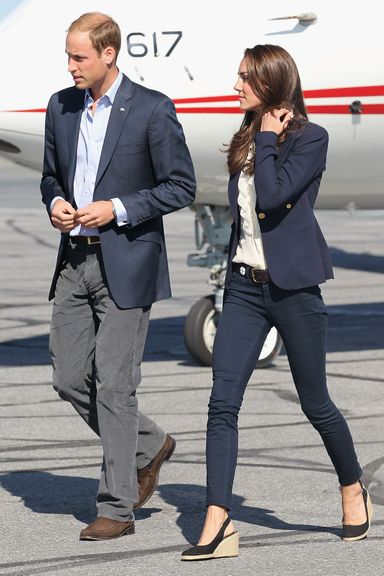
(287, 180)
(145, 162)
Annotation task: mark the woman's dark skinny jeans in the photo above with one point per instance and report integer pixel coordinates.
(301, 319)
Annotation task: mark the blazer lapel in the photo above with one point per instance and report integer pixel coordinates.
(117, 119)
(73, 128)
(233, 193)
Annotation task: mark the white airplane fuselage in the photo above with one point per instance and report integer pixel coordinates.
(192, 55)
(192, 52)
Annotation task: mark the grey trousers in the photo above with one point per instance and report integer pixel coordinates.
(96, 351)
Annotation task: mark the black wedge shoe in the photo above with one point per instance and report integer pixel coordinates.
(351, 532)
(220, 547)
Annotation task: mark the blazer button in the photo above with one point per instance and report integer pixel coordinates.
(288, 206)
(261, 215)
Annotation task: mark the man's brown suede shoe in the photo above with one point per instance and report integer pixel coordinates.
(106, 529)
(148, 477)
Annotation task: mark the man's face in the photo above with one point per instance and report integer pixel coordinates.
(87, 67)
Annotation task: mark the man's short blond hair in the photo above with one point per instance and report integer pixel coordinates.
(103, 30)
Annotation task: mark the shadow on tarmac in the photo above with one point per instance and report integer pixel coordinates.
(351, 327)
(189, 499)
(46, 493)
(357, 261)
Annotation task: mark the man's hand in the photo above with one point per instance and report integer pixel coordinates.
(63, 216)
(95, 214)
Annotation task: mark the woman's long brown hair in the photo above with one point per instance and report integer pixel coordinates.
(274, 79)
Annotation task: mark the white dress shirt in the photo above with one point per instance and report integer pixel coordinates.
(93, 127)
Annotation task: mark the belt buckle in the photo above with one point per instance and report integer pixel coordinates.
(253, 276)
(92, 240)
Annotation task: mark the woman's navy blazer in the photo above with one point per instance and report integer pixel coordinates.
(287, 179)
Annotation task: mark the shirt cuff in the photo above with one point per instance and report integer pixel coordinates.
(53, 201)
(121, 213)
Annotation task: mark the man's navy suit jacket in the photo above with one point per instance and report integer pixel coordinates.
(145, 163)
(287, 180)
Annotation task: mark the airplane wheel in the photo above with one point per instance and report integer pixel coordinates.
(200, 331)
(271, 348)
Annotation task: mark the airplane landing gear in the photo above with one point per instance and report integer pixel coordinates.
(200, 330)
(212, 228)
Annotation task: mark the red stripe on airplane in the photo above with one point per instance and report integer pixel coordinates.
(345, 109)
(339, 92)
(353, 92)
(203, 99)
(208, 110)
(317, 93)
(312, 109)
(32, 110)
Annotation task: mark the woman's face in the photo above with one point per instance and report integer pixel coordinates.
(248, 99)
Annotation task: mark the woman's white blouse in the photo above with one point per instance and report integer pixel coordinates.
(250, 249)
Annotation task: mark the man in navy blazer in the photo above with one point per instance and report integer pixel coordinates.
(115, 162)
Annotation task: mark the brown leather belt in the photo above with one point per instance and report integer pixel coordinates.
(257, 276)
(85, 240)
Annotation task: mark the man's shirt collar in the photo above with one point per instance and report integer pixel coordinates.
(110, 94)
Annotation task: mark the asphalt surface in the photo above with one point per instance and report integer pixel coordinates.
(286, 502)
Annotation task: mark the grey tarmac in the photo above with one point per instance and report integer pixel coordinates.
(286, 502)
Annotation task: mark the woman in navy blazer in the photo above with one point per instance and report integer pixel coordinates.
(277, 259)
